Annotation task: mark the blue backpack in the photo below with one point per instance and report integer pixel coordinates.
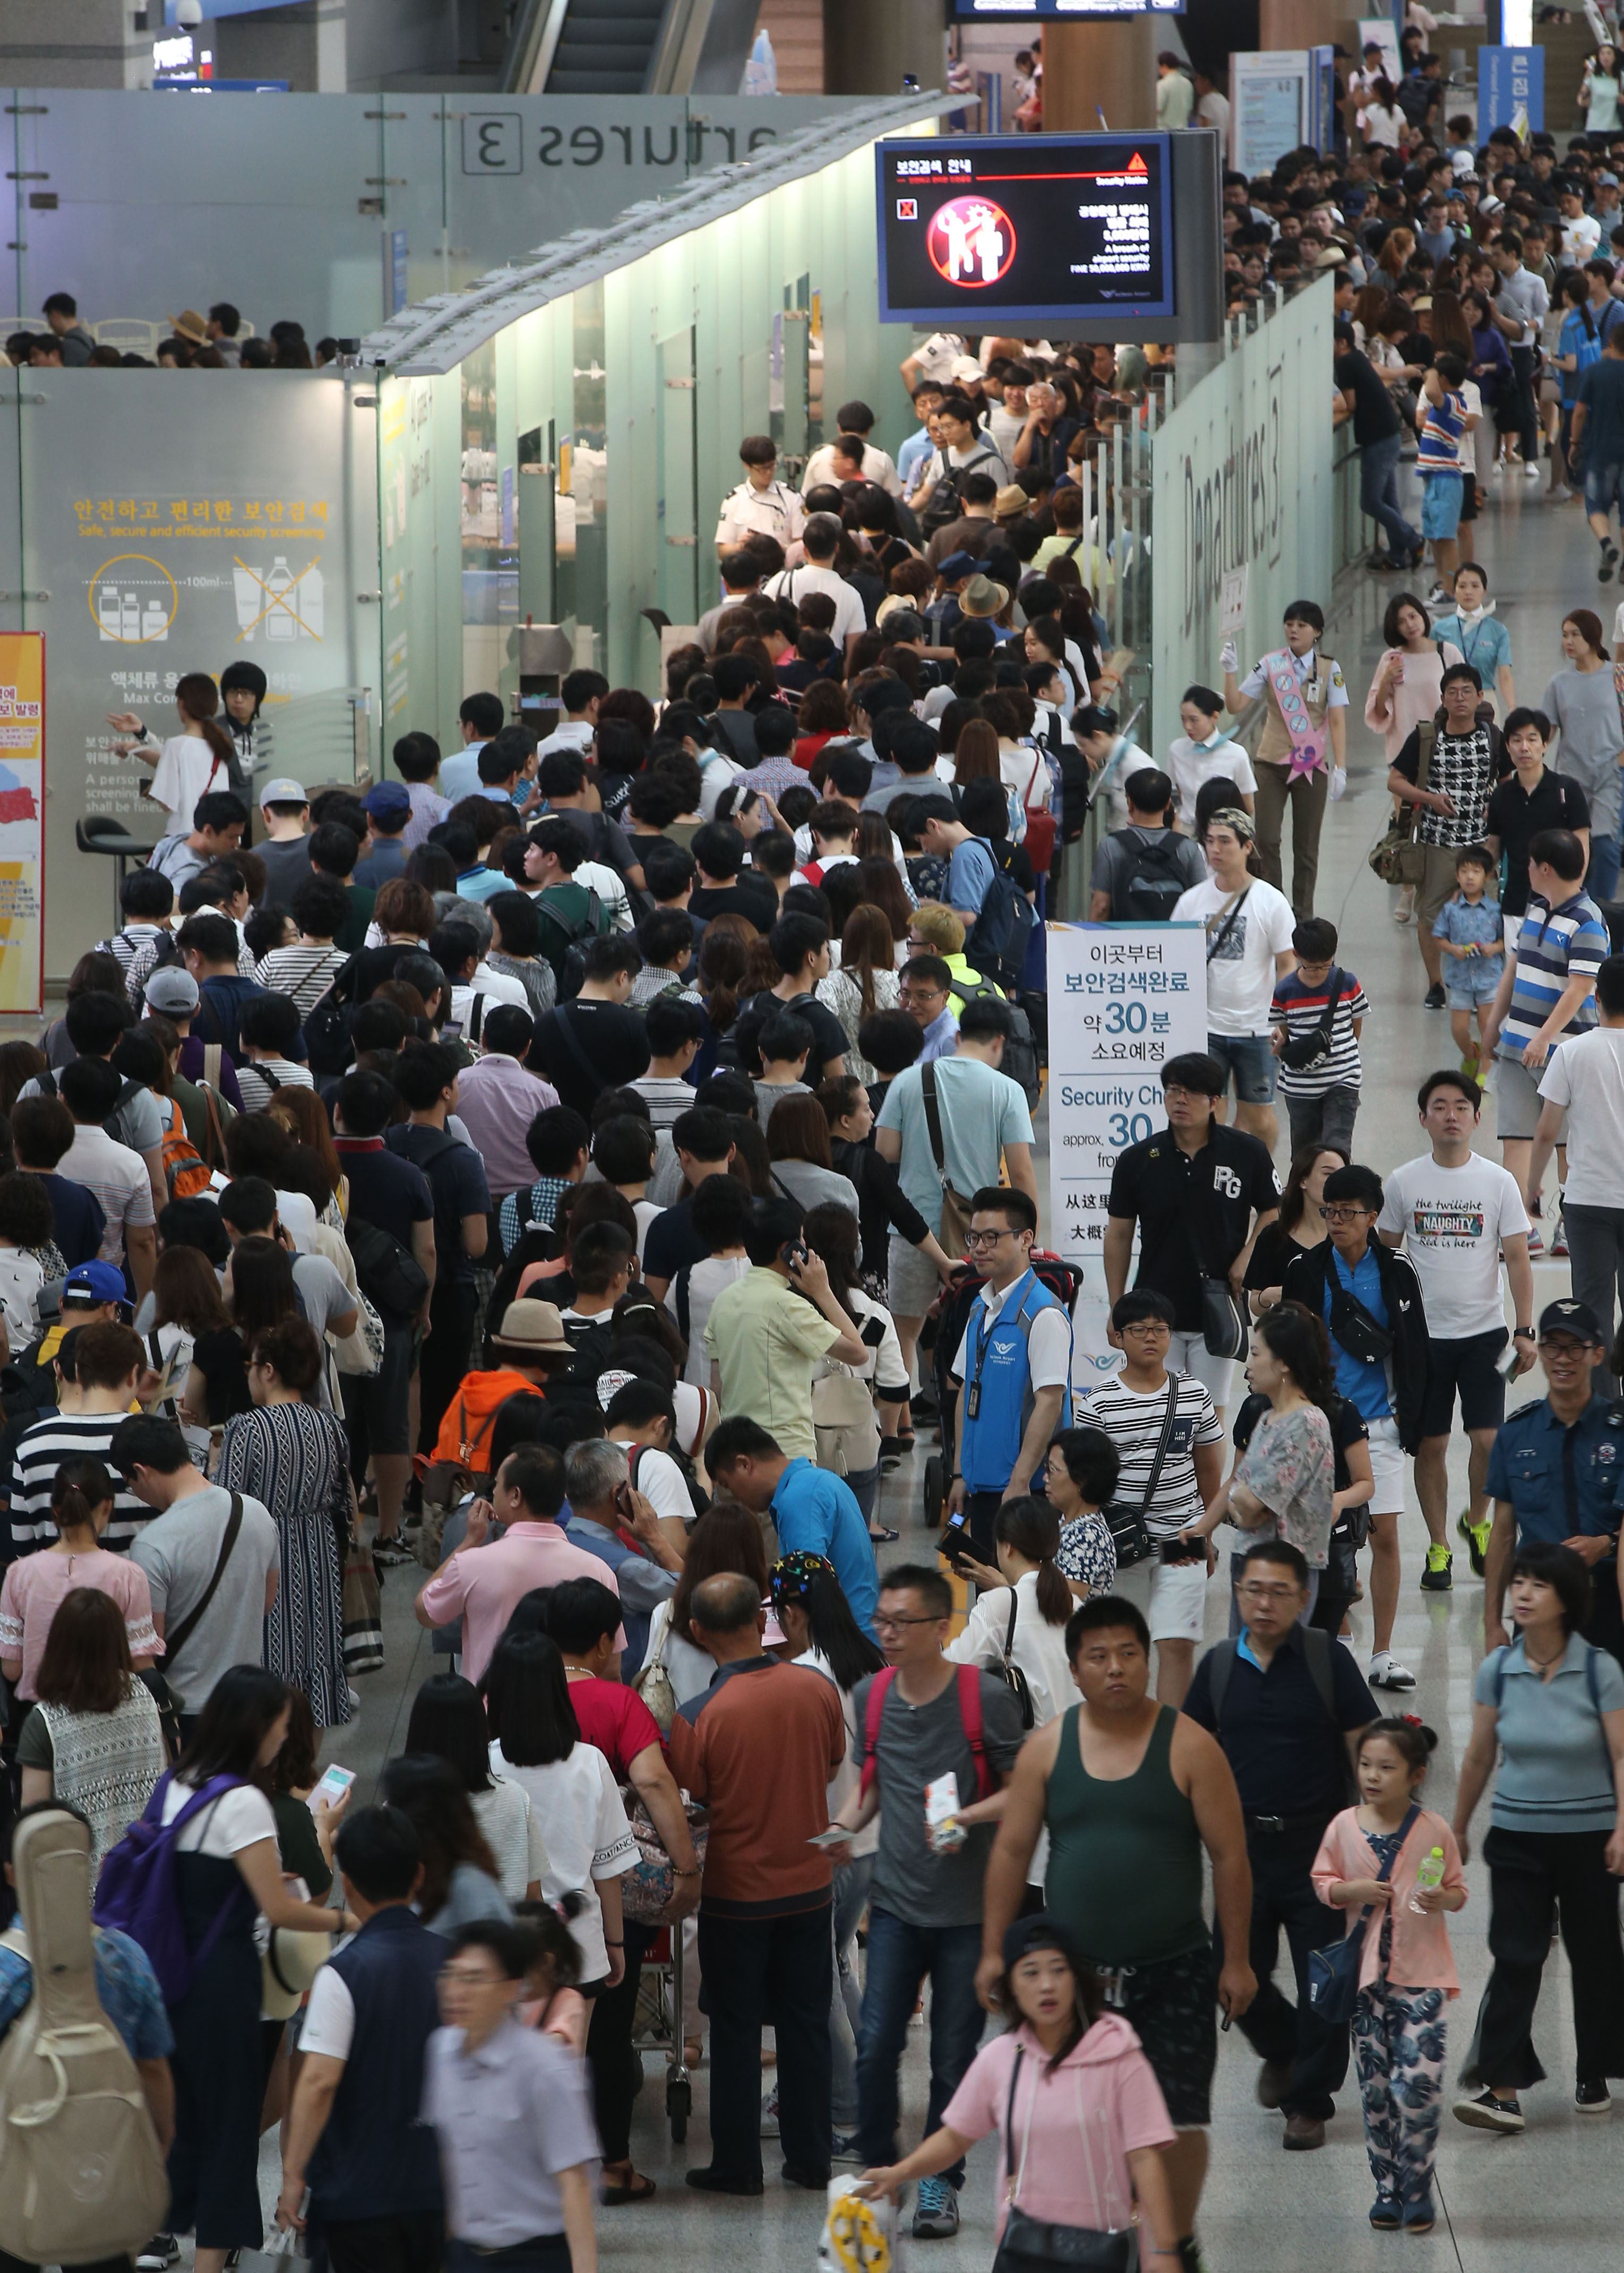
(997, 946)
(137, 1892)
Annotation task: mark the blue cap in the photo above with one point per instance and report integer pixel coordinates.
(96, 1282)
(958, 565)
(386, 797)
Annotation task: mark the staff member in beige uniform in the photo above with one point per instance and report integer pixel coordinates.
(1324, 699)
(762, 506)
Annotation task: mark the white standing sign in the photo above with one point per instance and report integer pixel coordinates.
(1123, 998)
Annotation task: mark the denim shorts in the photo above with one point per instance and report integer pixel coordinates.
(1468, 984)
(1250, 1059)
(1602, 485)
(1440, 505)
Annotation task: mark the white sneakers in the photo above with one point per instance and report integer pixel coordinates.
(1385, 1672)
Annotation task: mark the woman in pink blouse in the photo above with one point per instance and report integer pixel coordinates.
(1078, 2111)
(81, 1507)
(1408, 688)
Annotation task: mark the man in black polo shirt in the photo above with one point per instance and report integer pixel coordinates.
(1380, 432)
(1531, 798)
(799, 948)
(1200, 1193)
(594, 1041)
(726, 887)
(1283, 1701)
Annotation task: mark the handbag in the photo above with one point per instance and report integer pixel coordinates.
(362, 1609)
(1395, 857)
(1009, 1673)
(1041, 824)
(647, 1890)
(653, 1686)
(1033, 2245)
(1334, 1973)
(1128, 1527)
(954, 1232)
(1301, 1052)
(1223, 1315)
(845, 1424)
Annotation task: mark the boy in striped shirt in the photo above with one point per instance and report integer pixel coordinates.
(1443, 419)
(1548, 992)
(1322, 1098)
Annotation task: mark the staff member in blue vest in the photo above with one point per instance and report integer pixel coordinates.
(354, 2135)
(1013, 1368)
(1370, 1299)
(1556, 1473)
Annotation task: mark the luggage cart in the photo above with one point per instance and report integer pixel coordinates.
(658, 2024)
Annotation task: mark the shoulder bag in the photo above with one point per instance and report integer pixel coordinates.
(1228, 924)
(176, 1641)
(1129, 1526)
(1303, 1051)
(954, 1232)
(1334, 1973)
(1031, 2245)
(1223, 1316)
(1396, 858)
(1010, 1674)
(654, 1685)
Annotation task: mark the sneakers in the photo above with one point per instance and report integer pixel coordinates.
(391, 1553)
(1438, 598)
(1385, 1672)
(1560, 495)
(1530, 472)
(160, 2252)
(1436, 1579)
(1433, 999)
(1536, 1242)
(1609, 558)
(769, 2114)
(1591, 2096)
(1559, 1237)
(1476, 1538)
(1469, 1065)
(847, 2149)
(936, 2219)
(1487, 2113)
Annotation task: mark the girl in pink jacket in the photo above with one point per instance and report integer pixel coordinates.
(1406, 1970)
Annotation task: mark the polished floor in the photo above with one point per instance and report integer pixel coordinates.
(1551, 2199)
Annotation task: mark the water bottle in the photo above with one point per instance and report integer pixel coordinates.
(1429, 1874)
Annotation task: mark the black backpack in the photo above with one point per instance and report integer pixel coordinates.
(945, 502)
(389, 1274)
(1147, 887)
(1021, 1059)
(569, 959)
(329, 1024)
(47, 1081)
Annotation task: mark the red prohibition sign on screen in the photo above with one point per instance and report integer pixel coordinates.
(970, 241)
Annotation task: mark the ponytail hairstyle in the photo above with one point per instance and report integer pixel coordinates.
(1293, 1335)
(82, 1486)
(197, 695)
(1414, 1743)
(1033, 1529)
(723, 962)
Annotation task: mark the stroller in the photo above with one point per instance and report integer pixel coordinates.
(951, 1315)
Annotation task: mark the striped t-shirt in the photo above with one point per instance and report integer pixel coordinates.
(1439, 448)
(1300, 1009)
(1553, 946)
(1132, 1419)
(39, 1452)
(303, 971)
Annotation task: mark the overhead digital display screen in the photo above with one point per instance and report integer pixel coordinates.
(969, 12)
(978, 230)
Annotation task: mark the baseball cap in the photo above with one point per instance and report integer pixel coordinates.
(284, 790)
(386, 797)
(1566, 1316)
(171, 990)
(96, 1282)
(1606, 181)
(958, 565)
(965, 367)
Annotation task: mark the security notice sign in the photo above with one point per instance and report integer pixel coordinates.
(1123, 998)
(22, 769)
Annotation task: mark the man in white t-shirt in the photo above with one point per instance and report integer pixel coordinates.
(1249, 926)
(1584, 1080)
(1455, 1215)
(641, 1421)
(821, 539)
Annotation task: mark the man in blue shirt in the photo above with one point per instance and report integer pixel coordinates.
(1556, 1473)
(816, 1512)
(1377, 1325)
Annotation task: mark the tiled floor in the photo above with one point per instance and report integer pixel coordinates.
(1549, 2200)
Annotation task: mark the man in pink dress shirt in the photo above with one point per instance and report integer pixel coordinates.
(497, 1100)
(484, 1581)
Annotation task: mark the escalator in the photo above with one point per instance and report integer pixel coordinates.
(629, 46)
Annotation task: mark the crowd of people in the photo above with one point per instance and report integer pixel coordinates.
(577, 1170)
(219, 341)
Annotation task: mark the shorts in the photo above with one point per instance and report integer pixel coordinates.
(1468, 985)
(1602, 485)
(1440, 505)
(1517, 1102)
(1175, 2016)
(1172, 1596)
(1387, 1460)
(382, 1397)
(1467, 1368)
(1252, 1062)
(1189, 1354)
(1439, 883)
(911, 1277)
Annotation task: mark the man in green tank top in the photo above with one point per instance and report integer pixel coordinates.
(1129, 1792)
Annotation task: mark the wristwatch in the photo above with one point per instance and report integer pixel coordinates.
(1524, 1334)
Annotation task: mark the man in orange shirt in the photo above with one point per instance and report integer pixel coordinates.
(760, 1746)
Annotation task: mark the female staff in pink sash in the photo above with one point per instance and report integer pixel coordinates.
(1304, 743)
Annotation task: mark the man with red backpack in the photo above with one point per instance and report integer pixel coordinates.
(935, 1742)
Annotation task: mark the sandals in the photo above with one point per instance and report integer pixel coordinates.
(638, 2189)
(884, 1535)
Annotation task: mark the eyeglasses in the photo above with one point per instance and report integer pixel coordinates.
(1148, 1329)
(882, 1625)
(1258, 1594)
(1334, 1214)
(987, 1238)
